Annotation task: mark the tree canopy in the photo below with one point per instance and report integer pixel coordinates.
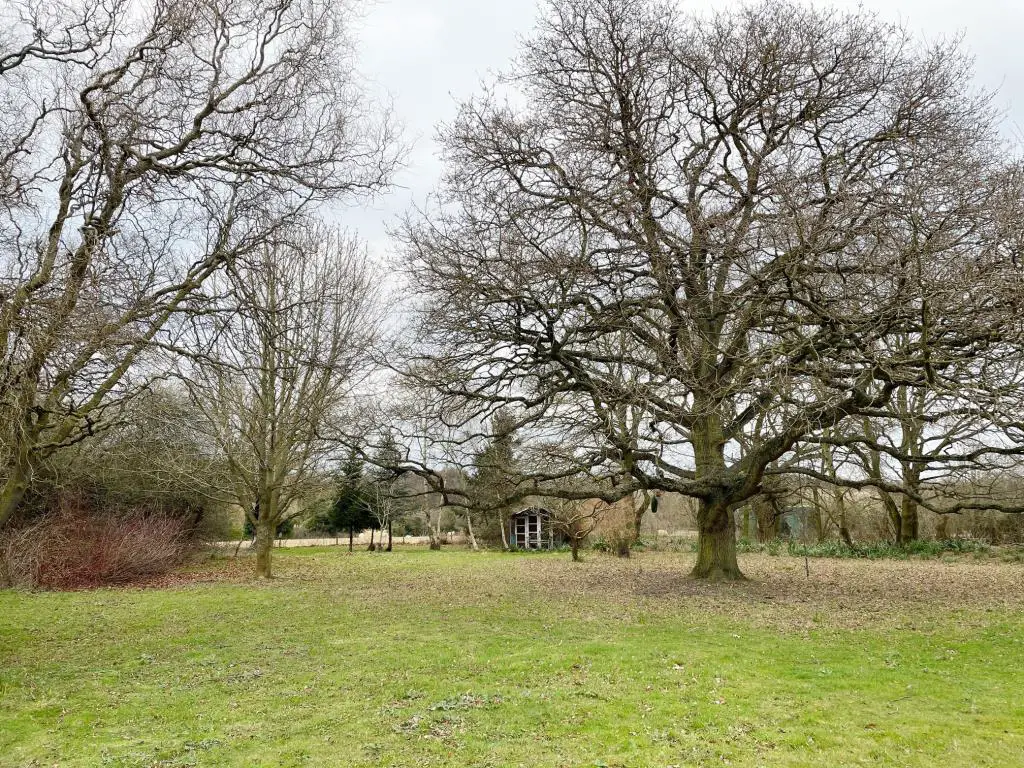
(692, 241)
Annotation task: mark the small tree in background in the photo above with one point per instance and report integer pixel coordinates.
(349, 510)
(575, 520)
(384, 498)
(382, 506)
(283, 530)
(493, 478)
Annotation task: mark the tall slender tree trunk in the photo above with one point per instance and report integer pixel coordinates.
(503, 525)
(838, 495)
(264, 544)
(816, 517)
(842, 522)
(390, 536)
(913, 442)
(639, 510)
(351, 536)
(469, 529)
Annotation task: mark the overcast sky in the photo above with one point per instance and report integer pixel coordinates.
(428, 54)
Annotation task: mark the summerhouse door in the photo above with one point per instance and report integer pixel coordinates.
(528, 532)
(534, 541)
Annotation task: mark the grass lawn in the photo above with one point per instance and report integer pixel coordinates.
(420, 658)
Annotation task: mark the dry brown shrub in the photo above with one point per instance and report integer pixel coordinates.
(72, 549)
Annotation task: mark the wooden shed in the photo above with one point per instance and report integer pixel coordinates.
(531, 529)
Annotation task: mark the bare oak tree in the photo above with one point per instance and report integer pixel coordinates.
(144, 146)
(775, 214)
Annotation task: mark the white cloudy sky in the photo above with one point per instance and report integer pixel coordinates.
(428, 54)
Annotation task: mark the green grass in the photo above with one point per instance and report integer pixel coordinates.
(476, 659)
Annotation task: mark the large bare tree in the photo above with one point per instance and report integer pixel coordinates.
(143, 146)
(774, 215)
(282, 355)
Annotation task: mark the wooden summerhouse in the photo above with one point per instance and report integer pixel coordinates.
(531, 529)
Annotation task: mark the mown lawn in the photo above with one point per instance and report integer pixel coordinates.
(468, 659)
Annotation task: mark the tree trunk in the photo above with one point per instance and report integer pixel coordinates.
(238, 544)
(716, 530)
(469, 529)
(844, 529)
(942, 528)
(639, 510)
(264, 543)
(372, 546)
(838, 495)
(503, 525)
(716, 543)
(895, 517)
(390, 536)
(909, 527)
(16, 484)
(351, 536)
(816, 517)
(842, 524)
(574, 544)
(10, 497)
(433, 531)
(767, 520)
